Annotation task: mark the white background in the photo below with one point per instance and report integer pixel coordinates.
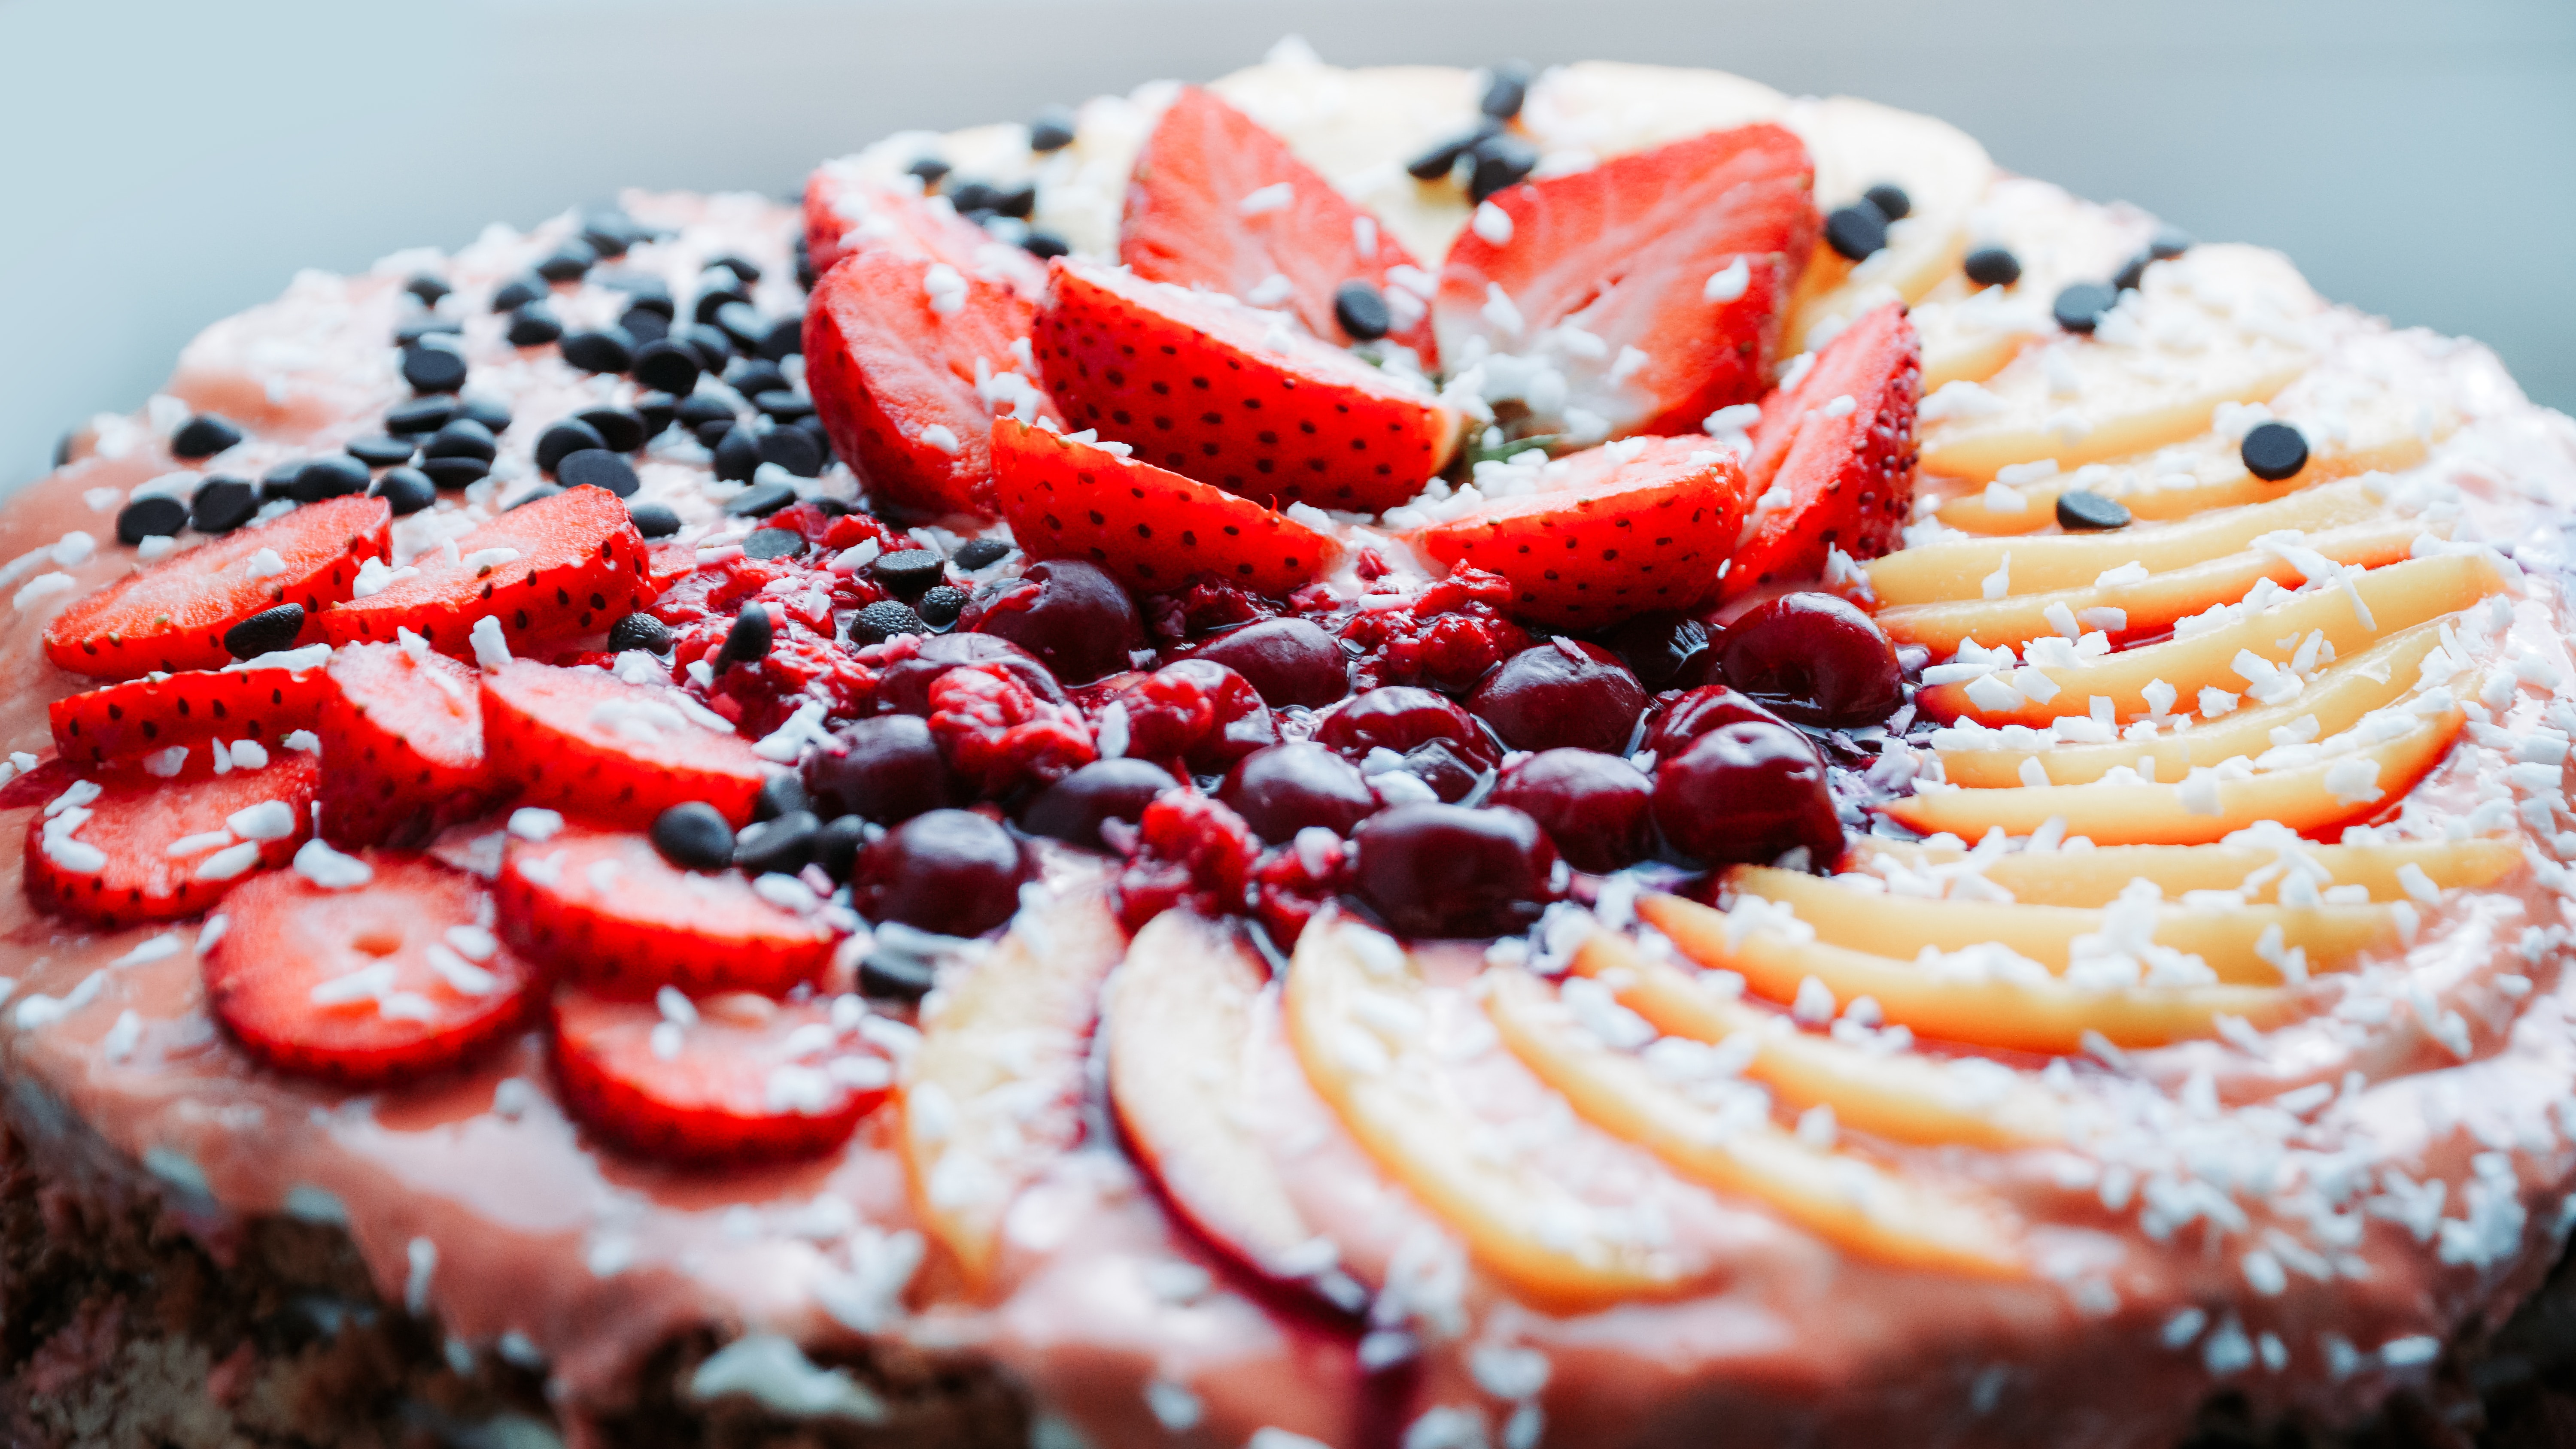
(162, 164)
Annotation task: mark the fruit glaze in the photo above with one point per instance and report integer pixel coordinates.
(1361, 758)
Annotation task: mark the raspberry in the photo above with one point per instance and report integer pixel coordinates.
(1167, 715)
(1190, 849)
(1202, 609)
(1295, 882)
(1449, 638)
(999, 735)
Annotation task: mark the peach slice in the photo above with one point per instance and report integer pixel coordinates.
(1959, 567)
(993, 1093)
(2370, 608)
(2096, 877)
(1897, 926)
(2350, 688)
(1902, 1098)
(2148, 607)
(2034, 1016)
(2122, 390)
(1354, 1006)
(1864, 1209)
(2108, 814)
(1178, 1026)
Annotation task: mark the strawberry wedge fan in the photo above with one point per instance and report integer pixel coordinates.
(1634, 720)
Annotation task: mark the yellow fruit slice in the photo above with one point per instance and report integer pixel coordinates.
(2221, 324)
(992, 1094)
(1959, 568)
(2376, 605)
(2096, 877)
(1859, 144)
(2036, 1016)
(2350, 688)
(1902, 1097)
(1886, 925)
(1864, 1209)
(1351, 995)
(2307, 799)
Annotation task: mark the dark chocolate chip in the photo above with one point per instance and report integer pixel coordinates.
(883, 620)
(518, 292)
(744, 323)
(760, 500)
(463, 438)
(1856, 231)
(265, 632)
(737, 456)
(768, 543)
(1442, 159)
(694, 835)
(670, 366)
(794, 449)
(381, 451)
(492, 413)
(644, 325)
(1361, 309)
(1992, 266)
(748, 639)
(1890, 199)
(782, 793)
(534, 325)
(719, 291)
(427, 288)
(1506, 89)
(891, 975)
(2274, 451)
(785, 338)
(431, 368)
(621, 430)
(150, 518)
(420, 415)
(837, 845)
(598, 468)
(976, 553)
(640, 630)
(331, 478)
(279, 481)
(563, 440)
(781, 845)
(784, 405)
(752, 377)
(455, 473)
(569, 261)
(656, 409)
(741, 266)
(408, 490)
(1045, 244)
(940, 607)
(931, 170)
(203, 436)
(909, 573)
(1053, 130)
(2083, 511)
(608, 349)
(1502, 159)
(422, 327)
(222, 505)
(654, 520)
(2079, 308)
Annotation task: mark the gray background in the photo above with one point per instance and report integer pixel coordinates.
(162, 164)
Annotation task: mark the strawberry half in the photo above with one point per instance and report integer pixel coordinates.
(172, 615)
(1624, 277)
(605, 909)
(157, 712)
(846, 215)
(585, 741)
(402, 732)
(1833, 457)
(139, 848)
(734, 1079)
(906, 359)
(568, 564)
(1218, 203)
(376, 983)
(1154, 529)
(1231, 395)
(1609, 532)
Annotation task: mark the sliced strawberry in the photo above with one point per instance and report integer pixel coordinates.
(1234, 396)
(402, 733)
(1609, 532)
(1206, 209)
(1154, 529)
(585, 741)
(733, 1079)
(172, 615)
(374, 983)
(1834, 456)
(846, 214)
(110, 858)
(1621, 277)
(160, 711)
(569, 564)
(605, 909)
(908, 391)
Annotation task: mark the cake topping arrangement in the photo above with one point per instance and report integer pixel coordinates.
(1563, 756)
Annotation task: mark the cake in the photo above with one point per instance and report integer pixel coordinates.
(1390, 759)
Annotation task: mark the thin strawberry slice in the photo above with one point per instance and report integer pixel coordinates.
(1217, 202)
(732, 1079)
(908, 360)
(402, 732)
(1606, 533)
(362, 985)
(1833, 456)
(603, 908)
(846, 214)
(123, 846)
(569, 564)
(172, 615)
(161, 712)
(1154, 529)
(1234, 396)
(584, 741)
(1623, 278)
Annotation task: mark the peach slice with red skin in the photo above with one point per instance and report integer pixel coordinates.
(2096, 877)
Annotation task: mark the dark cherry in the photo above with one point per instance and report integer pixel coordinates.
(1199, 712)
(1665, 651)
(1594, 806)
(1073, 808)
(1399, 717)
(1072, 615)
(1291, 661)
(1747, 792)
(1451, 776)
(952, 872)
(1709, 707)
(903, 687)
(1561, 694)
(1285, 788)
(1446, 870)
(885, 769)
(1815, 659)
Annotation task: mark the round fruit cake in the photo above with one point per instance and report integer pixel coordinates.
(1389, 759)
